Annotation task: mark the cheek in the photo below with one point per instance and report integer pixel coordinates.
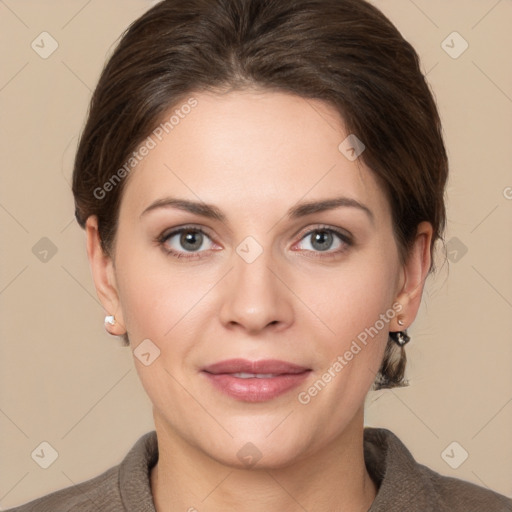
(358, 309)
(155, 297)
(351, 300)
(156, 303)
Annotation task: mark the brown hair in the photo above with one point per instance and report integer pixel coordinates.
(345, 52)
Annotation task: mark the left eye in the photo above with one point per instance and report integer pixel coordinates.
(322, 240)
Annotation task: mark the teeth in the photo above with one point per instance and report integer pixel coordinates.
(243, 375)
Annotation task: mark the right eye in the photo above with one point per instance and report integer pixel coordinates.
(186, 242)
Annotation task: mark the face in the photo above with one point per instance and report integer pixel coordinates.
(245, 234)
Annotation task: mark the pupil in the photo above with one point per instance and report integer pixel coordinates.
(193, 239)
(323, 239)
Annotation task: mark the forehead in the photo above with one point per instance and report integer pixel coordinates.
(255, 149)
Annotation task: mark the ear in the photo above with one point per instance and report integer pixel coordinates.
(415, 272)
(102, 267)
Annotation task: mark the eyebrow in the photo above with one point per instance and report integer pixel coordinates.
(297, 211)
(308, 208)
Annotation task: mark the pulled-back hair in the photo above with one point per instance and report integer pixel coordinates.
(344, 52)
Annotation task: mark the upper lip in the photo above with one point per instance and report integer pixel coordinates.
(273, 366)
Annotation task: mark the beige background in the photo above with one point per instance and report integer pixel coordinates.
(66, 382)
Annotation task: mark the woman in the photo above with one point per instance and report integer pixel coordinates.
(261, 184)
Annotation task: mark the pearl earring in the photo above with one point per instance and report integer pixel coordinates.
(110, 319)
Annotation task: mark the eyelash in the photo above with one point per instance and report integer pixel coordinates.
(345, 239)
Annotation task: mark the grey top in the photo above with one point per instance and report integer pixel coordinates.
(404, 485)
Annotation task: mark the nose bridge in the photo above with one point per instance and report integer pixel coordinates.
(255, 297)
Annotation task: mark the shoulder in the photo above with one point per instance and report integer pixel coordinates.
(98, 493)
(122, 487)
(406, 485)
(456, 494)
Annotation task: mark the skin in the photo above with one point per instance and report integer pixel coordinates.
(255, 154)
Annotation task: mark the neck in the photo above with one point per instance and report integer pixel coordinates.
(333, 478)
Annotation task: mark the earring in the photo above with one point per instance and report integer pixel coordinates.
(400, 322)
(110, 319)
(400, 337)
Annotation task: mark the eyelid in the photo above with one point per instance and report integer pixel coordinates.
(167, 233)
(345, 235)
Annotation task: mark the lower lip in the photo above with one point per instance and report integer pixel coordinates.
(254, 389)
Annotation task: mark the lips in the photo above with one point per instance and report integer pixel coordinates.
(255, 381)
(266, 366)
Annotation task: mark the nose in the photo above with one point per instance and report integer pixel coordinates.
(255, 296)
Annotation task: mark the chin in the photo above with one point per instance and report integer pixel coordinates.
(259, 448)
(257, 455)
